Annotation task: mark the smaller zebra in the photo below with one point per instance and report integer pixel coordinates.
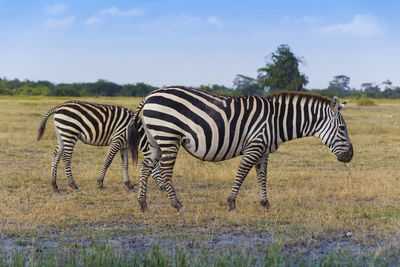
(93, 124)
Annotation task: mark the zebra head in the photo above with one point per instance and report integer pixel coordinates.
(334, 132)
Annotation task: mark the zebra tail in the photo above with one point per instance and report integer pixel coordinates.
(42, 126)
(133, 140)
(133, 133)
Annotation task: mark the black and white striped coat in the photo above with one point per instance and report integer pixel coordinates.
(93, 124)
(213, 127)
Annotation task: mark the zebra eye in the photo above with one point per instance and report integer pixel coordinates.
(342, 127)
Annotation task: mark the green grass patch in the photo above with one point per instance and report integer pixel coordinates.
(385, 213)
(31, 103)
(105, 255)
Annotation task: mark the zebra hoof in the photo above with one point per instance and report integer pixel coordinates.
(143, 205)
(101, 187)
(177, 205)
(74, 186)
(232, 205)
(144, 208)
(55, 188)
(265, 204)
(100, 184)
(129, 185)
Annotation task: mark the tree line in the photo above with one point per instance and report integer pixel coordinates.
(46, 88)
(280, 73)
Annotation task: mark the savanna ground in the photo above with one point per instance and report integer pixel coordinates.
(321, 209)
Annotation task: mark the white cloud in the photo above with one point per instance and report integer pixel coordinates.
(296, 20)
(113, 11)
(62, 23)
(310, 19)
(179, 25)
(214, 21)
(361, 25)
(132, 13)
(92, 20)
(56, 10)
(109, 11)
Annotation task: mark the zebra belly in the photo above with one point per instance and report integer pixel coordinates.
(94, 142)
(201, 153)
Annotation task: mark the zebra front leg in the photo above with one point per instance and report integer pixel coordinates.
(248, 160)
(67, 158)
(54, 164)
(261, 168)
(167, 162)
(112, 150)
(124, 160)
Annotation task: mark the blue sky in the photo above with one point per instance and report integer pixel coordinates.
(164, 42)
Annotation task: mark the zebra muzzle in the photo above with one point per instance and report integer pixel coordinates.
(346, 156)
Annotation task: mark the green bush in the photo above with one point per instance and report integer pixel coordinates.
(365, 101)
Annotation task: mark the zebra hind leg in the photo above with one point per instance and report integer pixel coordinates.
(112, 150)
(261, 168)
(155, 174)
(157, 177)
(145, 170)
(54, 164)
(167, 162)
(67, 158)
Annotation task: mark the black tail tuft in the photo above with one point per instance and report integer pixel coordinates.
(42, 128)
(133, 140)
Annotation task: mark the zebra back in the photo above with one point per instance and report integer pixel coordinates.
(94, 124)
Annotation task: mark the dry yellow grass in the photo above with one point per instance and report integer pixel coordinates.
(311, 193)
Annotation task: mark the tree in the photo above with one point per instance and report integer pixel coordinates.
(103, 88)
(242, 81)
(219, 89)
(283, 72)
(247, 85)
(370, 89)
(388, 84)
(339, 86)
(341, 81)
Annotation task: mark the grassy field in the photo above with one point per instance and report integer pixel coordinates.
(314, 198)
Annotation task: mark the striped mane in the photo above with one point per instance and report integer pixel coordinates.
(96, 104)
(306, 95)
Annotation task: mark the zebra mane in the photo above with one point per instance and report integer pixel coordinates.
(306, 95)
(202, 91)
(96, 104)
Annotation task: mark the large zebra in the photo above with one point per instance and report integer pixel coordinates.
(213, 127)
(94, 124)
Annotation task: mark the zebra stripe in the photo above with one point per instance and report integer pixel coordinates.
(213, 127)
(93, 124)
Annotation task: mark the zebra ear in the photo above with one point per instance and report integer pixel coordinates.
(335, 103)
(342, 105)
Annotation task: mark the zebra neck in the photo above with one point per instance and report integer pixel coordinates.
(296, 116)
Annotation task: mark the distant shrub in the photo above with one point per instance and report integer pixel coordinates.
(365, 101)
